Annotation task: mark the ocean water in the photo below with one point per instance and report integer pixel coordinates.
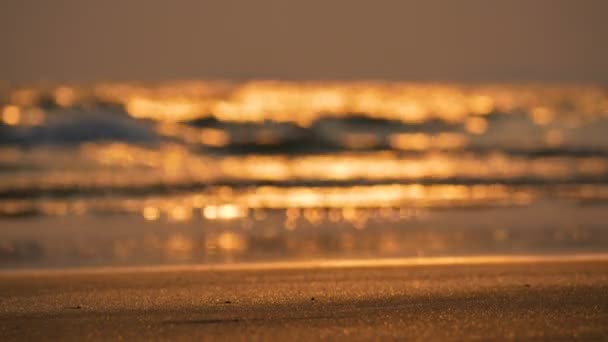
(207, 172)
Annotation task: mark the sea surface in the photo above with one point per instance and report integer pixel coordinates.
(214, 172)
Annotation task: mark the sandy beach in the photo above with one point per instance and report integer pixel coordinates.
(517, 299)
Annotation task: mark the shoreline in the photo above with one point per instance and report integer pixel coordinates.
(321, 264)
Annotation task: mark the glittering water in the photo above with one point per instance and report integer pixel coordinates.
(200, 172)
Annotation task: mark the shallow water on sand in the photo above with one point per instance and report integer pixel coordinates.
(213, 172)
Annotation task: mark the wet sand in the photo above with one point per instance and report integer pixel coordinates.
(520, 299)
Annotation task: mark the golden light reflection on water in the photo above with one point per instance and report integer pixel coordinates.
(352, 204)
(305, 102)
(272, 100)
(151, 213)
(175, 165)
(13, 115)
(224, 211)
(312, 203)
(426, 142)
(65, 96)
(178, 162)
(243, 181)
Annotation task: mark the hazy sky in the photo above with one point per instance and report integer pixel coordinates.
(467, 40)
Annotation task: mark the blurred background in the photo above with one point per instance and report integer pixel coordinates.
(149, 133)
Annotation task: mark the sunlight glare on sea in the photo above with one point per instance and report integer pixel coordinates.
(217, 171)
